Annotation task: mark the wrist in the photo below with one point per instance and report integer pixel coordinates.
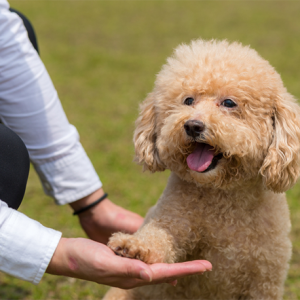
(66, 259)
(59, 262)
(90, 206)
(86, 201)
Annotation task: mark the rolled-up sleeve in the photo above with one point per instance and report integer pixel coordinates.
(30, 106)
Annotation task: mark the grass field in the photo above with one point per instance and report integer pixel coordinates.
(102, 57)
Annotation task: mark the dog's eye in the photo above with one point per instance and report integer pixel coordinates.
(189, 101)
(228, 103)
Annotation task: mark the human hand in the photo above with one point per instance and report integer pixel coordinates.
(92, 261)
(100, 221)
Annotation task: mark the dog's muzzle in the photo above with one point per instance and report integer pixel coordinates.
(203, 158)
(193, 128)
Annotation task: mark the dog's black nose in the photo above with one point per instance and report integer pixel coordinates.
(194, 128)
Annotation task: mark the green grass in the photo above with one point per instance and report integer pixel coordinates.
(102, 57)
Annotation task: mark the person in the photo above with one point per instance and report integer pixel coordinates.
(30, 107)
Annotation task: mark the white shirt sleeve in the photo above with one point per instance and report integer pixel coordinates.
(26, 247)
(29, 105)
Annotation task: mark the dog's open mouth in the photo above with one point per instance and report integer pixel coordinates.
(203, 158)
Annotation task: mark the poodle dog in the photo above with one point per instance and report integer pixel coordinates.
(222, 121)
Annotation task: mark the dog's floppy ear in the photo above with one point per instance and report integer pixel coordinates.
(280, 168)
(144, 139)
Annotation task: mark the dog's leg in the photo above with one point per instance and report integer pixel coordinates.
(171, 229)
(163, 238)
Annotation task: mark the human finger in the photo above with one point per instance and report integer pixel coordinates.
(169, 272)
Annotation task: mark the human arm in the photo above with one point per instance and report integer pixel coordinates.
(30, 106)
(89, 260)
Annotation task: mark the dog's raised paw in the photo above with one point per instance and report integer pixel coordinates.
(129, 246)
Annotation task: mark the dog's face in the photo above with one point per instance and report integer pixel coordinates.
(219, 115)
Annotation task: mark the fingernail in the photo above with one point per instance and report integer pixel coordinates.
(174, 283)
(145, 276)
(207, 265)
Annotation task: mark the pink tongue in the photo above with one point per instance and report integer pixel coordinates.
(201, 158)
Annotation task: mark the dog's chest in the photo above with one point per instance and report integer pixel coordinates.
(227, 226)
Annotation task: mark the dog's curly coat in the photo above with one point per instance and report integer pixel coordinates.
(221, 120)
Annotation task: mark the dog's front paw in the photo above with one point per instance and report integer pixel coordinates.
(127, 245)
